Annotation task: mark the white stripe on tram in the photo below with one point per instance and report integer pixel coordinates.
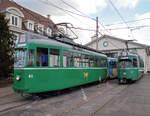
(55, 68)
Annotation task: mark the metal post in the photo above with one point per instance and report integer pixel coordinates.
(96, 33)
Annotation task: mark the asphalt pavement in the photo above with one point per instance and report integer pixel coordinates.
(98, 99)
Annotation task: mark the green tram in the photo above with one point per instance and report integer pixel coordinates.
(44, 64)
(130, 67)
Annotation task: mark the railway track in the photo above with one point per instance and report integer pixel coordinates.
(11, 101)
(105, 105)
(12, 107)
(7, 95)
(80, 104)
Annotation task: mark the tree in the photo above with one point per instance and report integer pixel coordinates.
(6, 49)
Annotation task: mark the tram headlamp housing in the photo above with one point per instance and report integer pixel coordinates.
(124, 73)
(18, 78)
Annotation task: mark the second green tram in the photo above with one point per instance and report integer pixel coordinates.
(43, 64)
(130, 67)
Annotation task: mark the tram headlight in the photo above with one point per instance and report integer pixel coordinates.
(124, 73)
(18, 78)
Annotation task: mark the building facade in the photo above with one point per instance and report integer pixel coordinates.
(112, 46)
(22, 19)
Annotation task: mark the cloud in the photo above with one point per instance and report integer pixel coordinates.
(125, 3)
(91, 6)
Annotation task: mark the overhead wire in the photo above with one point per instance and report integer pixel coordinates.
(131, 27)
(131, 21)
(64, 2)
(121, 17)
(77, 10)
(68, 12)
(81, 13)
(50, 3)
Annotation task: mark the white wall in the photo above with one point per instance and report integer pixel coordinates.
(114, 44)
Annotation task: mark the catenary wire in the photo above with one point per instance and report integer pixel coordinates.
(121, 17)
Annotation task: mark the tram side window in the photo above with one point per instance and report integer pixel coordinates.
(30, 58)
(134, 62)
(97, 62)
(85, 60)
(141, 63)
(77, 60)
(54, 58)
(103, 62)
(91, 63)
(67, 59)
(42, 57)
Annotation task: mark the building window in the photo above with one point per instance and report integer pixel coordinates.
(40, 28)
(31, 26)
(14, 20)
(49, 31)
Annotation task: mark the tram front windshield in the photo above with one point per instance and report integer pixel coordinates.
(20, 55)
(125, 64)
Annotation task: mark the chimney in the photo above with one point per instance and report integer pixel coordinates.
(48, 16)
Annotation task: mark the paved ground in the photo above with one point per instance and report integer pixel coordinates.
(107, 99)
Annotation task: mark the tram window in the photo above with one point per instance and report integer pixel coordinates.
(20, 57)
(77, 60)
(67, 59)
(85, 61)
(103, 62)
(91, 63)
(134, 62)
(42, 57)
(54, 58)
(141, 62)
(97, 62)
(30, 58)
(125, 64)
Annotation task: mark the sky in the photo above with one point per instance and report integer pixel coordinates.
(125, 19)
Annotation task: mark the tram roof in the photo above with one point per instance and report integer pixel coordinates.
(61, 42)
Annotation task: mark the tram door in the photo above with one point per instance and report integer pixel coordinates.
(112, 69)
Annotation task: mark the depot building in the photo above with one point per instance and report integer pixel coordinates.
(112, 46)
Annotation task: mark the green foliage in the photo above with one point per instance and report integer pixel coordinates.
(6, 49)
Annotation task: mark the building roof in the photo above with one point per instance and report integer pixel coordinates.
(28, 14)
(116, 38)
